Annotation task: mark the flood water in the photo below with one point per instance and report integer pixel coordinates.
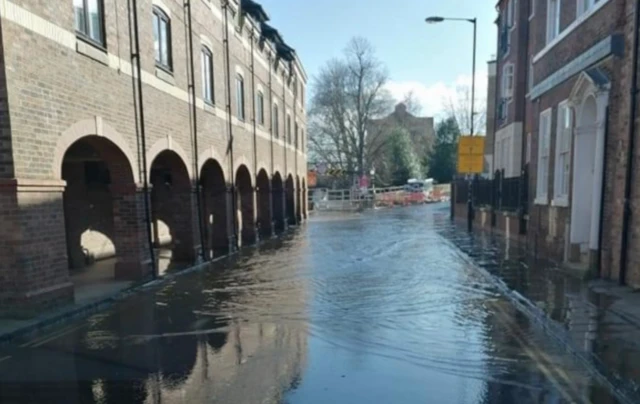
(380, 307)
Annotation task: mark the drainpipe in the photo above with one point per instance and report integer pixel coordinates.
(295, 148)
(273, 227)
(602, 192)
(523, 139)
(255, 128)
(143, 140)
(194, 108)
(626, 216)
(284, 153)
(233, 214)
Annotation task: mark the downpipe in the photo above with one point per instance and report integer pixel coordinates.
(143, 140)
(233, 237)
(626, 215)
(602, 194)
(194, 108)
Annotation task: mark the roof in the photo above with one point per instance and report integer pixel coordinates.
(255, 10)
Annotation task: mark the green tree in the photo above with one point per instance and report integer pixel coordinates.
(402, 162)
(441, 160)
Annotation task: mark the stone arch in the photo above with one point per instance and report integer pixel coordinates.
(162, 6)
(173, 210)
(87, 127)
(245, 206)
(164, 144)
(277, 201)
(100, 188)
(212, 153)
(290, 198)
(215, 202)
(263, 194)
(242, 161)
(205, 41)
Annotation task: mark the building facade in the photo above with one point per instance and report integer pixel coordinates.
(580, 119)
(492, 98)
(133, 127)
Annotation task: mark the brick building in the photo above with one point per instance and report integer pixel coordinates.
(131, 127)
(492, 98)
(576, 68)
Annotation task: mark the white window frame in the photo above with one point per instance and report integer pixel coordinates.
(208, 94)
(533, 10)
(512, 13)
(553, 19)
(583, 6)
(542, 177)
(562, 170)
(508, 71)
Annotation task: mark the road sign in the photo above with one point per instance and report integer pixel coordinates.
(471, 155)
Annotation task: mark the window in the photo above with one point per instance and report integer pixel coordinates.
(260, 108)
(302, 139)
(544, 132)
(511, 13)
(585, 5)
(288, 128)
(530, 78)
(553, 19)
(528, 157)
(296, 134)
(162, 39)
(533, 9)
(507, 81)
(302, 95)
(207, 75)
(240, 97)
(89, 18)
(563, 153)
(276, 124)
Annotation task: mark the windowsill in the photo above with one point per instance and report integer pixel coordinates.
(561, 202)
(541, 200)
(210, 108)
(164, 75)
(92, 51)
(562, 35)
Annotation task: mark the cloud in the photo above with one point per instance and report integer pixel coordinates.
(434, 97)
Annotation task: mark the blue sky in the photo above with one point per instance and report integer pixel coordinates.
(430, 59)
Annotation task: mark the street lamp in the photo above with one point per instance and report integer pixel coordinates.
(435, 20)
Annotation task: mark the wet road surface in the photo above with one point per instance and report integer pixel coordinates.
(380, 307)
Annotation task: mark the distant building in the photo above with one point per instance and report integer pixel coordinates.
(420, 129)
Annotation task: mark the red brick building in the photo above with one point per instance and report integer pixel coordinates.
(128, 128)
(576, 71)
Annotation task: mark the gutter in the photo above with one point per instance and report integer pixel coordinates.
(232, 225)
(626, 215)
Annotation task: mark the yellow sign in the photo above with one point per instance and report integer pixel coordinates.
(471, 155)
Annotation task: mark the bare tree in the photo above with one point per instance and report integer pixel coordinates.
(459, 107)
(346, 94)
(411, 101)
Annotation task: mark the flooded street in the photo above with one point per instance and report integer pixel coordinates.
(381, 307)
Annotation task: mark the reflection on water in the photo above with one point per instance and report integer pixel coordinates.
(372, 308)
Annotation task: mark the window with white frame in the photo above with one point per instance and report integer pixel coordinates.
(533, 9)
(544, 132)
(585, 5)
(507, 81)
(511, 13)
(207, 74)
(528, 157)
(240, 97)
(553, 19)
(563, 153)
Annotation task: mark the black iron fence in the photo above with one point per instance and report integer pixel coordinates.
(499, 193)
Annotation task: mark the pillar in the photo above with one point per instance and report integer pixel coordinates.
(34, 272)
(130, 233)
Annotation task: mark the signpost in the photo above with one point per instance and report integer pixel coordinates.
(470, 162)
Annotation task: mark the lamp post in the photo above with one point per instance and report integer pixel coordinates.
(436, 20)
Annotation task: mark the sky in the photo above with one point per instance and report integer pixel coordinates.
(430, 59)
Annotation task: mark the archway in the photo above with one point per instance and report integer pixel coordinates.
(264, 203)
(290, 201)
(298, 200)
(174, 232)
(277, 200)
(583, 180)
(100, 188)
(215, 215)
(305, 199)
(245, 211)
